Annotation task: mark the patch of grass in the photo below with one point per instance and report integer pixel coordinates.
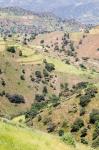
(17, 138)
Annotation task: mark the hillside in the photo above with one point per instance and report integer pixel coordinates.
(23, 21)
(30, 139)
(83, 11)
(49, 81)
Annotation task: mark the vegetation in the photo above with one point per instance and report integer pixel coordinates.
(11, 49)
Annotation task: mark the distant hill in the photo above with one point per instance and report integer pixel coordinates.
(16, 19)
(84, 11)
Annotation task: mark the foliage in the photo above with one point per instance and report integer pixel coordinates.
(68, 139)
(84, 141)
(83, 132)
(49, 67)
(79, 123)
(94, 116)
(38, 74)
(11, 49)
(96, 131)
(15, 98)
(95, 143)
(39, 98)
(36, 107)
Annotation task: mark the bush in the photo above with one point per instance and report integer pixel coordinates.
(79, 123)
(84, 141)
(22, 77)
(15, 98)
(11, 49)
(81, 85)
(89, 94)
(45, 90)
(92, 91)
(45, 73)
(50, 127)
(49, 67)
(82, 66)
(94, 116)
(39, 98)
(61, 132)
(95, 143)
(39, 118)
(36, 107)
(42, 41)
(54, 99)
(38, 74)
(3, 82)
(84, 132)
(46, 121)
(96, 131)
(84, 100)
(68, 139)
(82, 111)
(20, 53)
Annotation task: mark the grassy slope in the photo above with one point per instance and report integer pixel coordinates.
(30, 56)
(17, 138)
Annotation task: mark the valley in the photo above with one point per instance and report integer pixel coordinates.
(49, 79)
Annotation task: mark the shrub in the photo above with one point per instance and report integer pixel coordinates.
(61, 132)
(92, 91)
(89, 93)
(84, 141)
(36, 107)
(49, 67)
(22, 77)
(45, 73)
(39, 98)
(11, 49)
(3, 82)
(84, 132)
(68, 139)
(95, 143)
(15, 98)
(96, 131)
(79, 123)
(72, 47)
(38, 74)
(84, 100)
(45, 90)
(39, 118)
(82, 111)
(65, 124)
(42, 41)
(94, 116)
(54, 99)
(20, 53)
(81, 85)
(2, 93)
(50, 127)
(82, 66)
(46, 121)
